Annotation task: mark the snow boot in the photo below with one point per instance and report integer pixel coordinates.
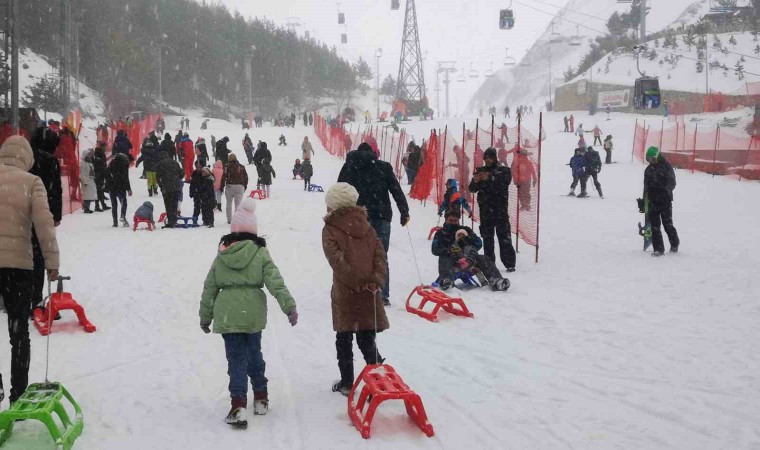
(501, 284)
(87, 211)
(480, 276)
(124, 222)
(260, 403)
(674, 249)
(115, 224)
(445, 284)
(386, 302)
(572, 193)
(657, 253)
(150, 192)
(583, 195)
(346, 381)
(600, 193)
(236, 417)
(97, 207)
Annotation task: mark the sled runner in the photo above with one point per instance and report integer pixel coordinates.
(60, 301)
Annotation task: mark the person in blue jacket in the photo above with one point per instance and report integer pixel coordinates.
(578, 167)
(453, 199)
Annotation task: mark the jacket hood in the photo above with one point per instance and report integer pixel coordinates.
(148, 205)
(167, 137)
(453, 183)
(362, 159)
(17, 152)
(238, 255)
(351, 220)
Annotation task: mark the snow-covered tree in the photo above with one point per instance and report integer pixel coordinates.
(689, 39)
(44, 95)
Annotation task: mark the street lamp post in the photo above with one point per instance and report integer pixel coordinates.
(15, 19)
(250, 80)
(378, 54)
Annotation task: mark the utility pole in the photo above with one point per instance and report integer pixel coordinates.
(76, 65)
(160, 80)
(446, 67)
(249, 72)
(65, 59)
(378, 54)
(15, 18)
(643, 21)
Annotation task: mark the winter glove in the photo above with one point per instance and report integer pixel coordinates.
(640, 202)
(404, 220)
(206, 327)
(293, 317)
(455, 251)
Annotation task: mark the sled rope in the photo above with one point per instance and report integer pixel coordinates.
(414, 254)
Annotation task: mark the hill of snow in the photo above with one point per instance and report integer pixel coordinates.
(528, 82)
(677, 72)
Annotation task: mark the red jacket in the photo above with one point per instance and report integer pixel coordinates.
(523, 170)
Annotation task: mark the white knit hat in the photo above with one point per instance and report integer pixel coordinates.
(244, 219)
(341, 195)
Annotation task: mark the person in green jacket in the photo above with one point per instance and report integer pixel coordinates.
(233, 300)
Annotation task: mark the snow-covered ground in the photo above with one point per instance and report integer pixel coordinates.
(598, 346)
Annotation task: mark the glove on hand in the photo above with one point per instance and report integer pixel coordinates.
(293, 317)
(206, 327)
(404, 220)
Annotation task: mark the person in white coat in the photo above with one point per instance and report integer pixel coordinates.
(87, 180)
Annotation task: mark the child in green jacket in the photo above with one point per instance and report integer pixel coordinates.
(234, 301)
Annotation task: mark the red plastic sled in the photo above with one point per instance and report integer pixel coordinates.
(60, 301)
(380, 382)
(257, 193)
(139, 220)
(429, 294)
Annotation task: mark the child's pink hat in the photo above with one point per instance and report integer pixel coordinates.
(244, 219)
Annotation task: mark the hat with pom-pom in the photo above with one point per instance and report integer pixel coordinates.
(244, 219)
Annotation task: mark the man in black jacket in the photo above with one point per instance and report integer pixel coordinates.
(167, 146)
(456, 247)
(117, 183)
(149, 155)
(491, 183)
(221, 152)
(100, 165)
(46, 166)
(593, 164)
(659, 182)
(262, 153)
(169, 174)
(374, 179)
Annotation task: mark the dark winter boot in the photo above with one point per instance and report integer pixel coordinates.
(219, 207)
(445, 284)
(599, 189)
(583, 194)
(501, 284)
(105, 207)
(237, 415)
(260, 403)
(343, 386)
(97, 207)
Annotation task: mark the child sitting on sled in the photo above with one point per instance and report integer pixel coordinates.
(234, 302)
(146, 212)
(456, 247)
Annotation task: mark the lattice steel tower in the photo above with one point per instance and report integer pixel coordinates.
(411, 77)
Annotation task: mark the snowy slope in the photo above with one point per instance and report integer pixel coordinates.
(599, 346)
(528, 82)
(681, 73)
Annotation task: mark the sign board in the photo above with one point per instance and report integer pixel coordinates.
(582, 87)
(614, 99)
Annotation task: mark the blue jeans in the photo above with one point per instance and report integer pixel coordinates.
(383, 230)
(244, 359)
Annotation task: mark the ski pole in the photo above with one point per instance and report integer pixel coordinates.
(49, 326)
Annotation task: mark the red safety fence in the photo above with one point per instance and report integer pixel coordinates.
(746, 96)
(137, 131)
(718, 151)
(444, 158)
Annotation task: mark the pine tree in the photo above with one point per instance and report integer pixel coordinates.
(44, 95)
(700, 67)
(689, 39)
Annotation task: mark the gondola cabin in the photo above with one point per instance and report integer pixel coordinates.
(344, 38)
(506, 19)
(395, 5)
(341, 18)
(647, 93)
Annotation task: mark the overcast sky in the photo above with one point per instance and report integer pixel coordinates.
(465, 31)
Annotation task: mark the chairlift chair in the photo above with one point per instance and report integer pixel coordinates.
(461, 78)
(344, 38)
(575, 41)
(646, 93)
(395, 5)
(508, 60)
(473, 72)
(507, 18)
(489, 72)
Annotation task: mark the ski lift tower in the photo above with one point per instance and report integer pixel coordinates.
(411, 78)
(446, 68)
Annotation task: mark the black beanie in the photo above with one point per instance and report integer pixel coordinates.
(364, 147)
(489, 153)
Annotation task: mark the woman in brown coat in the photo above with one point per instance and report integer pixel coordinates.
(358, 261)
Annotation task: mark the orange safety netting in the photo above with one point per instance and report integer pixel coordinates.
(443, 158)
(717, 151)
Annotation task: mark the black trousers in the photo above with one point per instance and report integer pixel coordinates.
(116, 197)
(16, 290)
(582, 179)
(662, 214)
(205, 207)
(608, 159)
(503, 233)
(38, 280)
(597, 138)
(170, 203)
(365, 339)
(446, 265)
(593, 176)
(306, 182)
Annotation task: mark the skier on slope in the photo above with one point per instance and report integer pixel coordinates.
(357, 258)
(578, 167)
(659, 183)
(234, 302)
(593, 165)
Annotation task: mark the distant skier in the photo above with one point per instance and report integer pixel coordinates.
(597, 135)
(578, 168)
(233, 301)
(283, 141)
(357, 258)
(593, 165)
(567, 125)
(506, 112)
(659, 183)
(307, 171)
(608, 149)
(571, 120)
(248, 148)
